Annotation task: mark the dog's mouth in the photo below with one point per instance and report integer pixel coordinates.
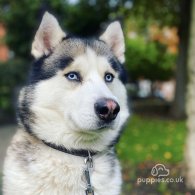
(97, 126)
(104, 125)
(93, 134)
(100, 127)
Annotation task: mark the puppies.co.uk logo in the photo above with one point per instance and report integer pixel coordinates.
(159, 170)
(160, 174)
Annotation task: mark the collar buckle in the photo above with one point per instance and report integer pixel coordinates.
(89, 161)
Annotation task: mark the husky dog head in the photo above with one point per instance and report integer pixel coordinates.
(76, 95)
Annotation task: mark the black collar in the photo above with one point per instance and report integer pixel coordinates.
(81, 153)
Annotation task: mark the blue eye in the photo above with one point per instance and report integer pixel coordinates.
(73, 76)
(108, 77)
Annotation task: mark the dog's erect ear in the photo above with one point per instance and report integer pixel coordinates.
(47, 36)
(113, 36)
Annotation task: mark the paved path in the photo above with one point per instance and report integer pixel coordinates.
(6, 133)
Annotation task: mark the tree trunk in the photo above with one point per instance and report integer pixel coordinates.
(190, 105)
(178, 108)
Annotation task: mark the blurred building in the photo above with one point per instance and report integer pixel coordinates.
(164, 90)
(4, 51)
(167, 36)
(144, 88)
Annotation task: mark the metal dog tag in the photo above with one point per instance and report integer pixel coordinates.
(89, 162)
(89, 190)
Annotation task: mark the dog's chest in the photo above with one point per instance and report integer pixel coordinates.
(66, 175)
(58, 176)
(33, 169)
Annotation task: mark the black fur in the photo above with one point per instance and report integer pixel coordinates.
(40, 71)
(118, 67)
(25, 116)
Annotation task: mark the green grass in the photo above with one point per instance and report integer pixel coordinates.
(149, 139)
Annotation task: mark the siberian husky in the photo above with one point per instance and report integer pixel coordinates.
(70, 116)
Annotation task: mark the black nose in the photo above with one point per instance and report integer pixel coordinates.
(106, 109)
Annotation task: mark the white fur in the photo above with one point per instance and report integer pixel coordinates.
(68, 111)
(113, 36)
(47, 37)
(50, 172)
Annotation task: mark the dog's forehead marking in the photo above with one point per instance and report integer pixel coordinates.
(92, 57)
(91, 61)
(96, 61)
(92, 52)
(74, 47)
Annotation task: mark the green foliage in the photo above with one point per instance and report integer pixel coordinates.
(146, 139)
(84, 18)
(10, 74)
(19, 24)
(148, 59)
(164, 12)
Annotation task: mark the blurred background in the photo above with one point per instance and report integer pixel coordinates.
(160, 57)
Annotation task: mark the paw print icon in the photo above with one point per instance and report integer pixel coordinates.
(159, 170)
